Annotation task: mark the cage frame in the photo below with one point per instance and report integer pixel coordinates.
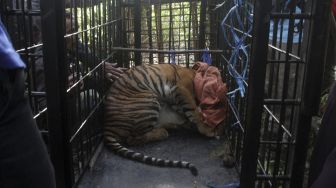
(53, 27)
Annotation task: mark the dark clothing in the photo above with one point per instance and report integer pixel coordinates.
(9, 59)
(323, 163)
(327, 177)
(334, 7)
(24, 161)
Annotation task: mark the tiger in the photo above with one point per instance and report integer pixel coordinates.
(146, 101)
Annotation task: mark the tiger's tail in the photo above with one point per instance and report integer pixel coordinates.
(116, 147)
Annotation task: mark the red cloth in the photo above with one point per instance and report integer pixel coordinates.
(210, 92)
(334, 7)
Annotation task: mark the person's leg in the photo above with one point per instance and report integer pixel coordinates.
(323, 160)
(327, 177)
(24, 161)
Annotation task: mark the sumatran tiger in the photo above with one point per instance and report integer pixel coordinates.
(143, 103)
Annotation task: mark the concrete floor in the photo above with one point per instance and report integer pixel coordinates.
(111, 171)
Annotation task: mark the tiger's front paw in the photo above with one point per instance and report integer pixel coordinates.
(207, 131)
(202, 127)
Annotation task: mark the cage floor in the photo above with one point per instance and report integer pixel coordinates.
(111, 171)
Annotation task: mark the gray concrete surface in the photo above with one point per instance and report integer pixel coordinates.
(111, 171)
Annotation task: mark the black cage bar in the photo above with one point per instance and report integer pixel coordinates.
(165, 25)
(276, 138)
(65, 44)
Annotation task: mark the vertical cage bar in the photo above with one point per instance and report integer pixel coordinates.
(56, 81)
(149, 26)
(119, 33)
(189, 33)
(283, 107)
(255, 92)
(184, 29)
(170, 38)
(137, 31)
(201, 44)
(313, 79)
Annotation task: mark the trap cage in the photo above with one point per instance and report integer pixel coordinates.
(270, 54)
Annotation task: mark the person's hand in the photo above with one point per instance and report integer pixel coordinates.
(112, 72)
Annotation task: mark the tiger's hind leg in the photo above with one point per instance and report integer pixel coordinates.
(156, 134)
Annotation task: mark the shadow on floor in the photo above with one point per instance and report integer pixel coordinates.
(111, 171)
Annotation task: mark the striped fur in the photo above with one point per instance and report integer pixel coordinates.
(146, 101)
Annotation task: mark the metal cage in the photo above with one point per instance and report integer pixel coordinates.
(280, 104)
(65, 44)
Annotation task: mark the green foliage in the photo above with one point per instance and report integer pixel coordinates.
(175, 19)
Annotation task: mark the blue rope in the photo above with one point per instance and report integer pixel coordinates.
(239, 57)
(206, 57)
(232, 25)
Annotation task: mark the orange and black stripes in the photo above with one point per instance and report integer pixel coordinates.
(133, 105)
(136, 156)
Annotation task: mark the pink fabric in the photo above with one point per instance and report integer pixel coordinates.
(210, 93)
